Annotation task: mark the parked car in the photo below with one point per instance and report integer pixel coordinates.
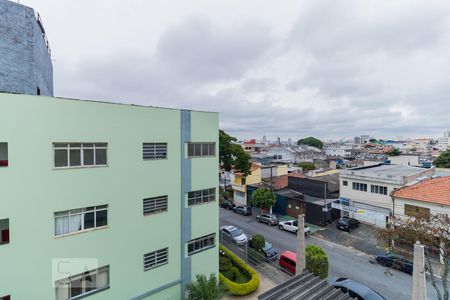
(269, 251)
(357, 290)
(347, 224)
(234, 234)
(287, 261)
(395, 261)
(292, 226)
(227, 205)
(243, 210)
(270, 219)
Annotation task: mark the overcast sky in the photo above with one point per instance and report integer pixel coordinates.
(285, 68)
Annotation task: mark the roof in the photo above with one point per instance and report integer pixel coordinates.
(304, 286)
(436, 190)
(289, 193)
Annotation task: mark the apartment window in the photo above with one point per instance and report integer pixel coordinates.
(68, 155)
(155, 150)
(417, 211)
(243, 181)
(359, 186)
(81, 219)
(82, 285)
(155, 205)
(5, 297)
(345, 183)
(377, 189)
(156, 259)
(4, 231)
(3, 155)
(201, 196)
(201, 149)
(201, 244)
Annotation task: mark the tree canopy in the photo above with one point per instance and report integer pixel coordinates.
(232, 156)
(443, 161)
(263, 198)
(306, 166)
(394, 152)
(311, 141)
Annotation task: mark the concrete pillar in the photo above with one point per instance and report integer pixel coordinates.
(301, 261)
(419, 286)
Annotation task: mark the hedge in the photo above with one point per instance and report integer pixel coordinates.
(239, 289)
(316, 261)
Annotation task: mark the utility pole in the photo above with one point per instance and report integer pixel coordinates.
(419, 287)
(300, 264)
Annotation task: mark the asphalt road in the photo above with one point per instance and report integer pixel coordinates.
(344, 261)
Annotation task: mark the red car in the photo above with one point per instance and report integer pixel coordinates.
(287, 261)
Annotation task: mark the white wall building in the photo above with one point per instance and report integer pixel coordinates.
(339, 150)
(367, 189)
(405, 160)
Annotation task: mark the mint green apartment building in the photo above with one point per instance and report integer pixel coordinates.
(105, 201)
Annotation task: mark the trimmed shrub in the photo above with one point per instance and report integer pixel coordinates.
(316, 261)
(257, 242)
(224, 263)
(235, 288)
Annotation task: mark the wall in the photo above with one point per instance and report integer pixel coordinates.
(32, 191)
(25, 62)
(399, 208)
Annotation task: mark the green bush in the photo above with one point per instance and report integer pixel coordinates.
(236, 288)
(257, 242)
(224, 263)
(316, 261)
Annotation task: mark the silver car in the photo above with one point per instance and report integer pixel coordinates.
(234, 234)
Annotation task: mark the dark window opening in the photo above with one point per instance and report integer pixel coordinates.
(4, 231)
(3, 154)
(38, 91)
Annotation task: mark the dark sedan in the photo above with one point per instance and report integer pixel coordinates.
(347, 224)
(269, 251)
(243, 210)
(227, 205)
(268, 219)
(356, 289)
(395, 261)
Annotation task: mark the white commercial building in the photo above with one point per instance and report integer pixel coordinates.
(365, 191)
(339, 150)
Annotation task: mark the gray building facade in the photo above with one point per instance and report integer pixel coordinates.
(25, 58)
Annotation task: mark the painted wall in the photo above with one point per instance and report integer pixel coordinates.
(25, 62)
(32, 191)
(434, 208)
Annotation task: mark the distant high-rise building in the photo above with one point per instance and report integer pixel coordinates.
(447, 133)
(289, 141)
(278, 141)
(357, 140)
(264, 139)
(25, 63)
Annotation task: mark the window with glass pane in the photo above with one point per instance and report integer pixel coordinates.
(101, 218)
(83, 284)
(201, 196)
(201, 149)
(80, 219)
(80, 154)
(200, 244)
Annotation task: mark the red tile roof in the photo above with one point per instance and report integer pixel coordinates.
(436, 190)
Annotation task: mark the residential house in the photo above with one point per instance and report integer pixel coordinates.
(365, 191)
(427, 197)
(105, 200)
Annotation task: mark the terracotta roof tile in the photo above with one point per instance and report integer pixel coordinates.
(436, 190)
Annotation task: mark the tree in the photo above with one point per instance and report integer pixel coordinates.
(373, 140)
(443, 161)
(432, 231)
(394, 152)
(257, 242)
(316, 261)
(311, 141)
(206, 289)
(263, 198)
(232, 156)
(306, 166)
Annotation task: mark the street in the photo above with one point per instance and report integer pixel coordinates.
(343, 261)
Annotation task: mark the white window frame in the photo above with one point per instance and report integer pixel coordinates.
(82, 212)
(155, 151)
(206, 196)
(202, 244)
(155, 259)
(83, 146)
(68, 281)
(204, 150)
(157, 204)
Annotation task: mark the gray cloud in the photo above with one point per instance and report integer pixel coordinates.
(337, 69)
